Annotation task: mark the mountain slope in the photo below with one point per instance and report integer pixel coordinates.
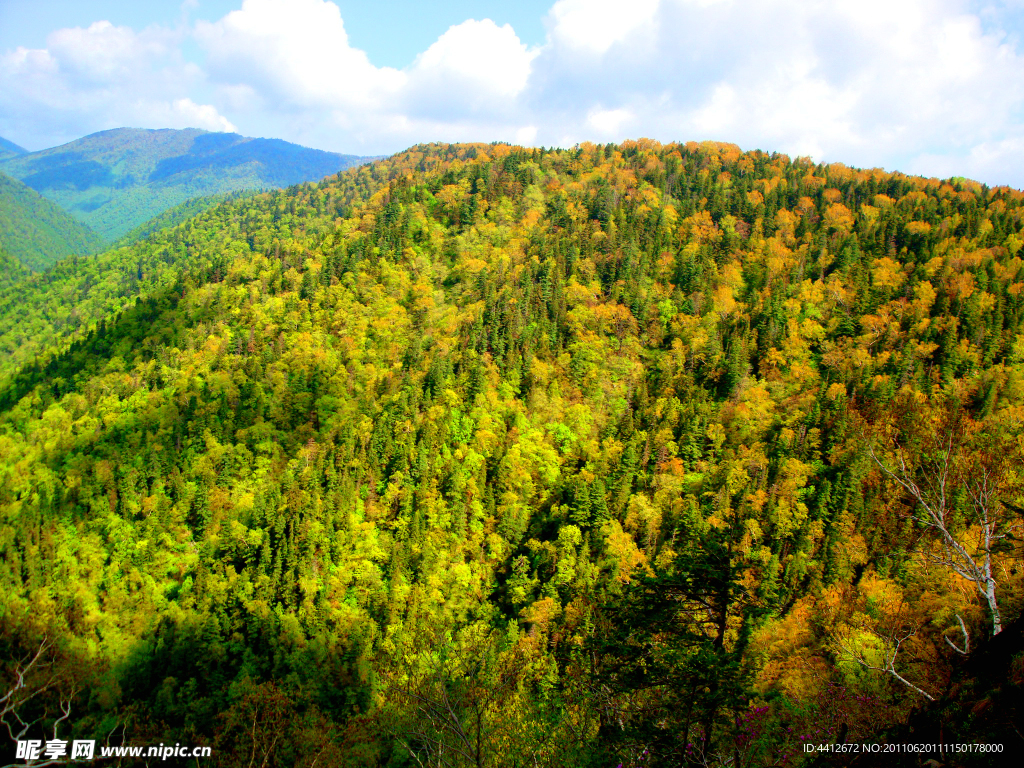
(176, 215)
(43, 313)
(115, 181)
(579, 448)
(12, 271)
(10, 149)
(36, 231)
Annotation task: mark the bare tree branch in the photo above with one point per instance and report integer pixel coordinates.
(932, 510)
(967, 639)
(890, 650)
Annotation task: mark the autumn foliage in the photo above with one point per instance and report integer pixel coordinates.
(484, 455)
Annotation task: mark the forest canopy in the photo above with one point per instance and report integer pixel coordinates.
(486, 455)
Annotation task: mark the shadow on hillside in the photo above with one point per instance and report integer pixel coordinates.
(66, 371)
(983, 710)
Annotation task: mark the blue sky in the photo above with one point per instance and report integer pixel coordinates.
(392, 32)
(923, 86)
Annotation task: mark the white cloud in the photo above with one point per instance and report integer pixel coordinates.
(187, 112)
(594, 26)
(526, 136)
(99, 77)
(609, 122)
(295, 52)
(467, 85)
(871, 82)
(288, 65)
(988, 161)
(103, 53)
(932, 86)
(475, 56)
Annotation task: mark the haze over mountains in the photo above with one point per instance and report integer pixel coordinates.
(10, 149)
(116, 180)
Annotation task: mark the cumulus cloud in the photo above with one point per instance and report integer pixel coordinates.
(292, 59)
(99, 77)
(295, 53)
(872, 82)
(609, 122)
(278, 68)
(103, 53)
(928, 86)
(594, 26)
(473, 62)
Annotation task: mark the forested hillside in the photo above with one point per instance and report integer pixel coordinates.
(36, 231)
(479, 455)
(11, 271)
(116, 180)
(47, 310)
(176, 215)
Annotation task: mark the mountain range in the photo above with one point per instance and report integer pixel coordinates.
(116, 180)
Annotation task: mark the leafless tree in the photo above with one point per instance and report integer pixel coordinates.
(33, 676)
(447, 708)
(40, 679)
(467, 708)
(947, 464)
(36, 676)
(892, 634)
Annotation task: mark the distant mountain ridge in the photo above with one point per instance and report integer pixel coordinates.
(10, 149)
(37, 232)
(116, 180)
